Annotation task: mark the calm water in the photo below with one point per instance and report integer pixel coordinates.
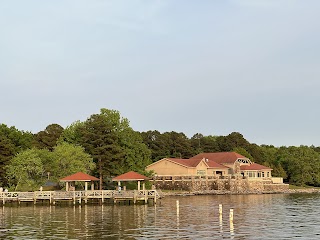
(255, 217)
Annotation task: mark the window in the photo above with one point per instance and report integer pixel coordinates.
(262, 174)
(201, 172)
(268, 174)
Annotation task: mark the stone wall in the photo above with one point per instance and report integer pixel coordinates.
(231, 185)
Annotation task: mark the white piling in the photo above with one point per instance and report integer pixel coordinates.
(220, 209)
(231, 215)
(177, 207)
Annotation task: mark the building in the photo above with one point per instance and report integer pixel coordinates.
(210, 164)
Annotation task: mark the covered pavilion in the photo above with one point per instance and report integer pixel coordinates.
(131, 177)
(79, 177)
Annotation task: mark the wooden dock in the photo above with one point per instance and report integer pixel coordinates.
(81, 197)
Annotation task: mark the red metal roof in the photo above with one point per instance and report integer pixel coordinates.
(80, 176)
(130, 176)
(254, 166)
(220, 157)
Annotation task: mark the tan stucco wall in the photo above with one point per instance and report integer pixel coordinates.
(165, 167)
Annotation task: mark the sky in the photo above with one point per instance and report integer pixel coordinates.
(210, 67)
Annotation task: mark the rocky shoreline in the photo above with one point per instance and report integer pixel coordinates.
(224, 192)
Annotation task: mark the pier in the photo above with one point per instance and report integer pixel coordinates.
(81, 197)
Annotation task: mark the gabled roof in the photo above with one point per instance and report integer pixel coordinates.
(254, 166)
(194, 162)
(80, 177)
(220, 157)
(130, 176)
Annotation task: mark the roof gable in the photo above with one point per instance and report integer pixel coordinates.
(194, 162)
(130, 176)
(220, 157)
(79, 176)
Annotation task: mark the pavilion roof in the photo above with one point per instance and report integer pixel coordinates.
(130, 176)
(79, 177)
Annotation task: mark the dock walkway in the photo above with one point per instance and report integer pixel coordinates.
(79, 197)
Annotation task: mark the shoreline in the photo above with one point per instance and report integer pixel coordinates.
(223, 192)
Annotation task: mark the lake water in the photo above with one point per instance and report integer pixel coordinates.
(274, 216)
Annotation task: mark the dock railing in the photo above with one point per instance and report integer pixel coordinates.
(78, 196)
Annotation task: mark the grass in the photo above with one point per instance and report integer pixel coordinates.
(301, 187)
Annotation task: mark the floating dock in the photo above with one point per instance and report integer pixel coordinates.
(81, 197)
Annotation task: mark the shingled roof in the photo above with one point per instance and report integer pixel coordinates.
(254, 166)
(79, 177)
(193, 162)
(220, 157)
(130, 176)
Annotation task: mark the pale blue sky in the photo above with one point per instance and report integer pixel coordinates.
(213, 67)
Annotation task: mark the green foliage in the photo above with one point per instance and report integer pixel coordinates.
(49, 137)
(69, 159)
(72, 133)
(243, 152)
(25, 171)
(108, 140)
(157, 144)
(6, 153)
(202, 143)
(113, 144)
(31, 168)
(302, 164)
(233, 140)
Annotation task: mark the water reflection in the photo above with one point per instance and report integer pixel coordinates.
(255, 217)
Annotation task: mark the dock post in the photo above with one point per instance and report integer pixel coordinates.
(102, 198)
(74, 198)
(134, 197)
(145, 196)
(220, 209)
(177, 203)
(231, 215)
(34, 198)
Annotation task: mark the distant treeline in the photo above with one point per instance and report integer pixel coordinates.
(105, 146)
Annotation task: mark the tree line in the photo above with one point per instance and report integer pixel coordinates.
(105, 145)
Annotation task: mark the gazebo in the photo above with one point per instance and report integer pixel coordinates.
(131, 177)
(79, 177)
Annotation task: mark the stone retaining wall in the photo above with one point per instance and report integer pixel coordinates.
(236, 185)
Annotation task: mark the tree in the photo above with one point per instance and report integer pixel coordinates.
(7, 150)
(69, 159)
(233, 140)
(202, 143)
(302, 164)
(157, 144)
(25, 171)
(49, 137)
(72, 134)
(113, 144)
(243, 152)
(179, 144)
(20, 139)
(136, 155)
(99, 138)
